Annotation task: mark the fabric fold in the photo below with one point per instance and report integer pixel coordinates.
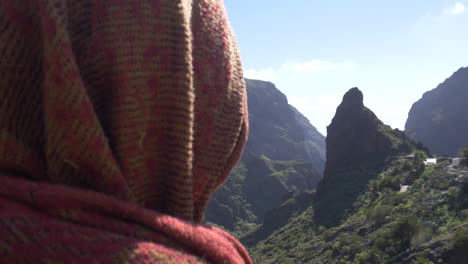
(118, 120)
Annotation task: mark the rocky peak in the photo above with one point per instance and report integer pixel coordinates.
(352, 135)
(353, 99)
(358, 145)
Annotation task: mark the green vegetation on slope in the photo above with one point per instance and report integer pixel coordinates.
(278, 217)
(427, 223)
(253, 190)
(464, 156)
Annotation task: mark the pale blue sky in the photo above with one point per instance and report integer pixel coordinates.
(314, 51)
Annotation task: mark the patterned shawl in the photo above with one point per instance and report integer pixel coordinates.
(118, 120)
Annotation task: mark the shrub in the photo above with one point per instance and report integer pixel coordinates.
(464, 195)
(373, 186)
(381, 239)
(345, 250)
(464, 156)
(368, 257)
(421, 260)
(390, 182)
(460, 238)
(284, 260)
(425, 234)
(378, 213)
(356, 243)
(404, 229)
(336, 247)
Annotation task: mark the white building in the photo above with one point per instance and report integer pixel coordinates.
(432, 161)
(404, 188)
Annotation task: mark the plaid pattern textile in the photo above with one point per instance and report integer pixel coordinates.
(118, 120)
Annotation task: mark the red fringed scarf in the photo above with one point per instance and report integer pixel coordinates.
(118, 120)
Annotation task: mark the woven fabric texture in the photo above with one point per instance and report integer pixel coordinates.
(118, 120)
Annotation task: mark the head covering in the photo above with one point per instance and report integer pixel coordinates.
(118, 120)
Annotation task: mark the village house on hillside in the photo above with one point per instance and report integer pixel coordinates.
(430, 161)
(456, 162)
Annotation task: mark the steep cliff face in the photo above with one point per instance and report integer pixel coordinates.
(358, 144)
(284, 155)
(439, 119)
(277, 130)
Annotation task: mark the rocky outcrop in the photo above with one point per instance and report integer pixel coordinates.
(358, 144)
(439, 119)
(284, 156)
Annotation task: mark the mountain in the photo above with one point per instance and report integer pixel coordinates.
(427, 223)
(439, 118)
(377, 202)
(358, 145)
(277, 130)
(284, 156)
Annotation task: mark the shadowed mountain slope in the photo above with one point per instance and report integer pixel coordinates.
(284, 156)
(439, 119)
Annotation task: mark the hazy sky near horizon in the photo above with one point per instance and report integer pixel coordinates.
(314, 51)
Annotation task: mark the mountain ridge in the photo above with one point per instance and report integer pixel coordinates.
(437, 119)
